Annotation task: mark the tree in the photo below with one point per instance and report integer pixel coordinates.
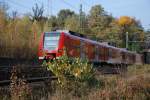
(37, 12)
(125, 21)
(14, 15)
(3, 20)
(147, 39)
(3, 27)
(133, 27)
(112, 33)
(36, 30)
(135, 32)
(129, 24)
(72, 23)
(53, 23)
(98, 21)
(97, 10)
(63, 15)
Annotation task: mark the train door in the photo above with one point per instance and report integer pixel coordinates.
(123, 57)
(106, 54)
(101, 53)
(110, 55)
(82, 49)
(91, 51)
(73, 47)
(147, 56)
(96, 53)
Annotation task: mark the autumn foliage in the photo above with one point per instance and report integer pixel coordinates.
(22, 33)
(125, 21)
(74, 75)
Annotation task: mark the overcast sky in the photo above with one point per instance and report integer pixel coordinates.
(134, 8)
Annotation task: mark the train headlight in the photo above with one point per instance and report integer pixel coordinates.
(60, 50)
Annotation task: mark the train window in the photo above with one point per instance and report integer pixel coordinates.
(115, 53)
(96, 52)
(77, 34)
(51, 40)
(101, 51)
(110, 52)
(123, 56)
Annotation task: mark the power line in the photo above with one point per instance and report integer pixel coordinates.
(50, 10)
(18, 4)
(85, 3)
(3, 5)
(39, 1)
(48, 4)
(67, 3)
(51, 7)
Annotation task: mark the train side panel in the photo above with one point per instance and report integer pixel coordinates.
(103, 53)
(139, 59)
(90, 52)
(114, 56)
(40, 47)
(95, 52)
(72, 46)
(77, 47)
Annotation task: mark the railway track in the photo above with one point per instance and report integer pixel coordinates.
(29, 80)
(34, 72)
(6, 61)
(24, 70)
(28, 70)
(30, 74)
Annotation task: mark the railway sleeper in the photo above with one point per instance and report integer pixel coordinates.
(105, 68)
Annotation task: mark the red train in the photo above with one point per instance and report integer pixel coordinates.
(52, 45)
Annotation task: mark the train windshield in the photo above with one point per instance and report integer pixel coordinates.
(51, 40)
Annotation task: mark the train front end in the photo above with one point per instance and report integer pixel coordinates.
(51, 45)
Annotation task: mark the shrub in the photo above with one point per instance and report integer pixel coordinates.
(74, 75)
(19, 89)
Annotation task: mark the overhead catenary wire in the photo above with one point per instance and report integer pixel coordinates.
(50, 11)
(48, 4)
(50, 8)
(67, 3)
(18, 4)
(3, 4)
(85, 3)
(39, 1)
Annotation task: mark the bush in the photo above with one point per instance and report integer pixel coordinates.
(75, 76)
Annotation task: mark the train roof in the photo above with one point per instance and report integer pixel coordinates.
(83, 37)
(146, 50)
(72, 33)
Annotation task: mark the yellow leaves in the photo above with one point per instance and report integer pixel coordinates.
(2, 21)
(71, 23)
(77, 72)
(125, 20)
(65, 69)
(35, 27)
(142, 35)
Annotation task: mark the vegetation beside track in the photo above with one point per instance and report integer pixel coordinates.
(134, 85)
(75, 76)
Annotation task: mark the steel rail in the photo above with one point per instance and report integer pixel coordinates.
(29, 80)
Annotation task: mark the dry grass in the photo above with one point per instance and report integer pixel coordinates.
(134, 86)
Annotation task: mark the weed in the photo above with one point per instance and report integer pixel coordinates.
(19, 89)
(75, 76)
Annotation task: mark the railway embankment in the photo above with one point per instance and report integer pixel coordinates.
(132, 85)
